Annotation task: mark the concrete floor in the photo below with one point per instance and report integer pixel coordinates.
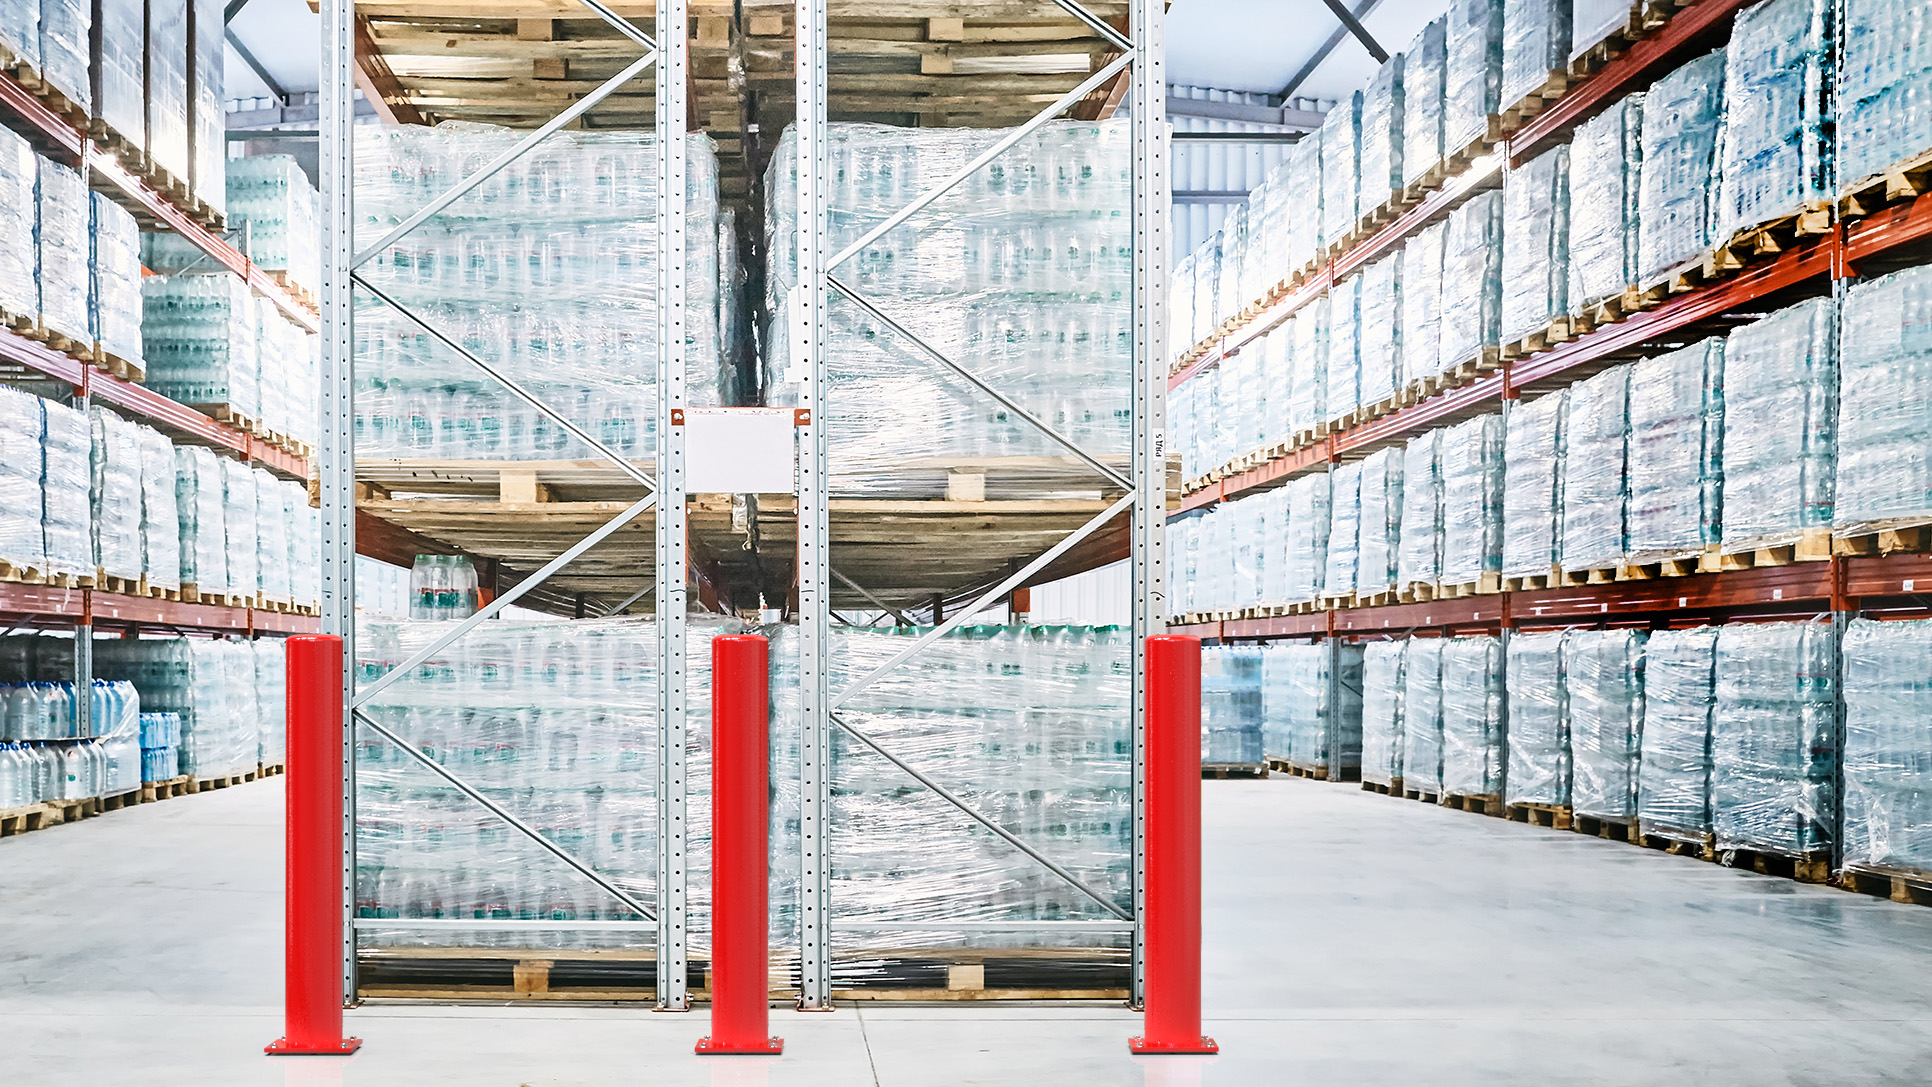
(1351, 939)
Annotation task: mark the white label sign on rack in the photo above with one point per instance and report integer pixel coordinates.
(740, 451)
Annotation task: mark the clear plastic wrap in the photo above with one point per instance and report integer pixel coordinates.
(1228, 298)
(1379, 342)
(65, 216)
(1275, 533)
(1674, 780)
(1536, 47)
(67, 476)
(1470, 312)
(1536, 244)
(272, 515)
(1472, 499)
(1382, 710)
(1884, 95)
(1248, 372)
(1780, 414)
(119, 67)
(1341, 137)
(160, 737)
(1773, 159)
(1278, 363)
(114, 280)
(204, 531)
(1606, 161)
(1303, 177)
(1594, 20)
(1421, 293)
(1473, 74)
(207, 120)
(1472, 716)
(238, 518)
(209, 683)
(1344, 529)
(1422, 716)
(64, 29)
(1180, 304)
(1380, 529)
(1306, 561)
(160, 516)
(167, 57)
(1207, 287)
(1423, 72)
(1232, 715)
(1279, 206)
(23, 543)
(1381, 144)
(1419, 550)
(200, 335)
(1774, 749)
(273, 207)
(271, 700)
(1682, 122)
(1341, 385)
(1250, 552)
(1888, 730)
(1312, 697)
(1603, 684)
(1539, 726)
(1596, 432)
(1676, 476)
(552, 266)
(114, 493)
(305, 551)
(1181, 555)
(1884, 476)
(1308, 372)
(19, 255)
(1533, 485)
(20, 29)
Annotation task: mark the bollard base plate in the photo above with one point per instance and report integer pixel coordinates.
(281, 1047)
(709, 1047)
(1151, 1047)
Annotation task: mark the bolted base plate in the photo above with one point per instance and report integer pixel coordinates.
(707, 1047)
(280, 1047)
(1150, 1047)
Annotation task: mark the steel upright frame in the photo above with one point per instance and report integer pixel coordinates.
(335, 462)
(1141, 58)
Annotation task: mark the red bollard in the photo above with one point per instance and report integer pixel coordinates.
(1173, 904)
(740, 848)
(314, 860)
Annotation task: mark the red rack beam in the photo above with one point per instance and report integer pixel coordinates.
(1890, 228)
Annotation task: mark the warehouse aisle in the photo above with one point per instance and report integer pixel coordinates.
(1350, 939)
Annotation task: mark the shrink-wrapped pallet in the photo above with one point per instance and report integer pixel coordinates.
(1472, 499)
(271, 700)
(1207, 286)
(23, 542)
(118, 67)
(160, 516)
(239, 519)
(1595, 21)
(20, 30)
(1379, 342)
(1780, 414)
(1247, 370)
(272, 204)
(1472, 716)
(65, 26)
(67, 473)
(1180, 427)
(65, 216)
(1341, 137)
(1676, 465)
(204, 531)
(1773, 160)
(19, 213)
(1603, 684)
(1278, 363)
(1279, 205)
(167, 57)
(1421, 291)
(1253, 548)
(201, 336)
(1885, 403)
(1888, 730)
(1228, 298)
(272, 513)
(1539, 729)
(1884, 95)
(1180, 303)
(1536, 48)
(1774, 750)
(1422, 716)
(1379, 531)
(1341, 387)
(306, 552)
(1472, 286)
(1303, 174)
(1674, 778)
(1181, 553)
(1382, 711)
(1536, 269)
(1472, 82)
(1381, 146)
(114, 493)
(1308, 389)
(1419, 556)
(1313, 696)
(1683, 116)
(1533, 485)
(1344, 529)
(1596, 430)
(1606, 163)
(1231, 707)
(207, 119)
(1423, 72)
(114, 280)
(210, 683)
(1306, 556)
(1275, 531)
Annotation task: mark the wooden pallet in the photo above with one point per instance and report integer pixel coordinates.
(1905, 537)
(1559, 330)
(1417, 592)
(271, 769)
(1529, 583)
(1674, 840)
(1555, 82)
(1423, 795)
(121, 800)
(1596, 575)
(1906, 885)
(1689, 275)
(21, 820)
(1682, 564)
(1765, 241)
(1234, 769)
(221, 781)
(1905, 180)
(303, 296)
(1488, 583)
(1589, 60)
(1811, 866)
(1597, 826)
(1814, 546)
(1491, 135)
(225, 413)
(111, 363)
(52, 97)
(167, 789)
(1554, 816)
(1479, 803)
(1392, 787)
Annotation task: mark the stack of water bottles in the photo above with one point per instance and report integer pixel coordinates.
(442, 587)
(548, 270)
(271, 210)
(243, 531)
(160, 752)
(210, 682)
(19, 256)
(1885, 382)
(201, 335)
(65, 216)
(1884, 101)
(45, 756)
(1233, 716)
(114, 282)
(1022, 274)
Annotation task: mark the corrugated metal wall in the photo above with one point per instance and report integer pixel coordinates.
(1216, 167)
